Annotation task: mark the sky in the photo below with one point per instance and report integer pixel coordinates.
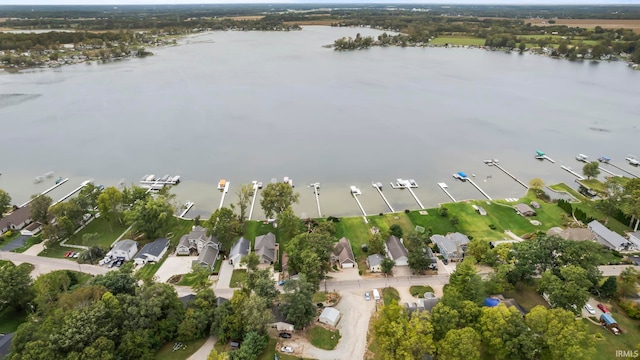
(135, 2)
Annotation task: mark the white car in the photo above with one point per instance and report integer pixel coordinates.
(590, 309)
(286, 349)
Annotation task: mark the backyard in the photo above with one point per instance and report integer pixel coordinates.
(607, 343)
(323, 338)
(106, 233)
(166, 352)
(11, 319)
(237, 278)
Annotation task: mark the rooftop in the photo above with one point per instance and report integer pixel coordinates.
(615, 239)
(154, 248)
(395, 247)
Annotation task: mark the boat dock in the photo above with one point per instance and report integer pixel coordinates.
(316, 192)
(479, 189)
(165, 180)
(256, 186)
(187, 206)
(378, 186)
(225, 190)
(580, 177)
(542, 156)
(355, 192)
(607, 160)
(84, 183)
(48, 190)
(407, 184)
(444, 186)
(494, 162)
(632, 160)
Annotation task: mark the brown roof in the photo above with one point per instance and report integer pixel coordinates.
(342, 251)
(17, 217)
(396, 248)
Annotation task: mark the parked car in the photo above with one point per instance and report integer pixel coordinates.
(285, 335)
(286, 349)
(367, 296)
(590, 309)
(68, 253)
(75, 255)
(603, 308)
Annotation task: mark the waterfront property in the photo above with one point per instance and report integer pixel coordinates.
(451, 246)
(126, 249)
(208, 255)
(634, 237)
(396, 251)
(608, 238)
(266, 248)
(524, 210)
(16, 220)
(239, 249)
(152, 252)
(342, 254)
(577, 234)
(194, 242)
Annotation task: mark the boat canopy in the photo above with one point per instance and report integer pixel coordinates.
(539, 153)
(462, 174)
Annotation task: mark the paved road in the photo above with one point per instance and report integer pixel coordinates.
(43, 265)
(614, 270)
(370, 283)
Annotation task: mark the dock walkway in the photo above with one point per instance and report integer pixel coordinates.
(84, 183)
(378, 186)
(47, 191)
(568, 169)
(253, 200)
(224, 193)
(495, 163)
(479, 189)
(444, 186)
(355, 196)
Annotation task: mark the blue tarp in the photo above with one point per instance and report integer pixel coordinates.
(608, 319)
(462, 174)
(491, 302)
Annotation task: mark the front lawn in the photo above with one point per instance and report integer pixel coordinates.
(562, 187)
(354, 229)
(106, 233)
(418, 291)
(607, 346)
(190, 279)
(166, 351)
(148, 271)
(237, 278)
(29, 243)
(11, 319)
(527, 297)
(56, 251)
(390, 294)
(323, 338)
(319, 297)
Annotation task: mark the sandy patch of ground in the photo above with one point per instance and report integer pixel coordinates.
(174, 265)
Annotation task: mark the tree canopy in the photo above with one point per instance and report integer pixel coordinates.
(276, 197)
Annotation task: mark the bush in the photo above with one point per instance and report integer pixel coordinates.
(359, 272)
(444, 212)
(454, 221)
(333, 219)
(492, 227)
(396, 230)
(406, 211)
(631, 308)
(365, 248)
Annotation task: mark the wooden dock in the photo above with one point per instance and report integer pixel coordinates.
(568, 169)
(47, 191)
(355, 196)
(479, 189)
(84, 183)
(619, 168)
(224, 193)
(253, 199)
(444, 186)
(378, 186)
(187, 206)
(316, 192)
(494, 162)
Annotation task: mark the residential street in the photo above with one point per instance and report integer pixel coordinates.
(45, 265)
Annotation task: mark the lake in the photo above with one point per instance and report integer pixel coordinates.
(249, 106)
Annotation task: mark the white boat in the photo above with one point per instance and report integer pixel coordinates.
(355, 190)
(582, 157)
(259, 184)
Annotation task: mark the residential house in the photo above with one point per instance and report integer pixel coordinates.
(524, 209)
(577, 234)
(535, 204)
(375, 262)
(126, 249)
(32, 229)
(608, 238)
(16, 220)
(194, 241)
(152, 252)
(429, 301)
(266, 248)
(208, 255)
(330, 316)
(396, 251)
(634, 238)
(451, 246)
(343, 254)
(239, 249)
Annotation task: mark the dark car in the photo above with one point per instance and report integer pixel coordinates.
(285, 335)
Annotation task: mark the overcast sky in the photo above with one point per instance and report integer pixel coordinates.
(132, 2)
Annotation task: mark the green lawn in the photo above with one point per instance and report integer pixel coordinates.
(593, 184)
(189, 279)
(385, 221)
(11, 319)
(166, 351)
(55, 251)
(4, 262)
(174, 234)
(458, 40)
(148, 271)
(29, 243)
(269, 351)
(527, 297)
(106, 233)
(354, 229)
(390, 294)
(562, 187)
(323, 338)
(418, 291)
(238, 277)
(319, 297)
(628, 340)
(589, 208)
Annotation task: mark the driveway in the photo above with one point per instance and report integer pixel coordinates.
(356, 313)
(594, 303)
(16, 243)
(224, 275)
(344, 274)
(204, 350)
(174, 265)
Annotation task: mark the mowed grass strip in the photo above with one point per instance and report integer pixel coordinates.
(323, 338)
(458, 40)
(106, 233)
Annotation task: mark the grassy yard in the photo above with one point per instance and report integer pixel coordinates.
(613, 224)
(189, 279)
(269, 351)
(390, 294)
(418, 291)
(237, 277)
(29, 243)
(166, 351)
(356, 231)
(527, 297)
(11, 319)
(106, 233)
(593, 184)
(55, 251)
(458, 40)
(562, 187)
(4, 262)
(628, 340)
(148, 271)
(323, 338)
(319, 297)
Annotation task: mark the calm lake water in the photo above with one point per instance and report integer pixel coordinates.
(256, 105)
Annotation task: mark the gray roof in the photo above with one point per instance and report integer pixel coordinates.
(450, 242)
(375, 260)
(342, 251)
(209, 254)
(198, 233)
(125, 245)
(184, 241)
(241, 247)
(18, 216)
(154, 248)
(396, 248)
(614, 239)
(524, 209)
(635, 234)
(266, 247)
(5, 344)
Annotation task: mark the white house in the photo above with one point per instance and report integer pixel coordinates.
(375, 262)
(608, 238)
(16, 220)
(152, 252)
(330, 316)
(126, 249)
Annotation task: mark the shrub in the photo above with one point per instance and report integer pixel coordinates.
(406, 211)
(454, 221)
(396, 230)
(444, 212)
(365, 248)
(631, 308)
(492, 227)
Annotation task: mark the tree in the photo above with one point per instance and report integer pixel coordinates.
(223, 224)
(609, 288)
(152, 217)
(200, 276)
(400, 336)
(5, 202)
(466, 282)
(69, 210)
(570, 290)
(253, 345)
(276, 197)
(245, 192)
(558, 335)
(376, 245)
(39, 208)
(522, 47)
(215, 355)
(386, 266)
(131, 195)
(310, 254)
(479, 249)
(110, 205)
(627, 282)
(631, 201)
(536, 184)
(15, 286)
(612, 202)
(395, 230)
(49, 287)
(297, 304)
(117, 282)
(460, 344)
(505, 334)
(261, 283)
(87, 198)
(591, 170)
(289, 225)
